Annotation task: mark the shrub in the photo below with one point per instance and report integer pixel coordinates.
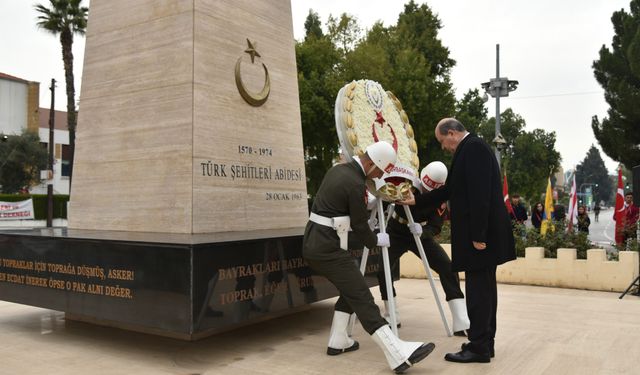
(530, 237)
(553, 240)
(631, 245)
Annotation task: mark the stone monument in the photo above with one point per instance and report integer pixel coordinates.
(188, 199)
(189, 119)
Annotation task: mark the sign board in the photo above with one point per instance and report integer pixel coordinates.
(16, 210)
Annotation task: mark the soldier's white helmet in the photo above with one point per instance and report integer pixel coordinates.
(433, 175)
(382, 155)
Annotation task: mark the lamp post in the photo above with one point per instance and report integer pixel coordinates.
(51, 159)
(626, 184)
(584, 193)
(499, 87)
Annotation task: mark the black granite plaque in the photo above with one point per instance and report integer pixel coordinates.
(183, 286)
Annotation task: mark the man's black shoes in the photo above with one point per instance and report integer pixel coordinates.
(492, 352)
(467, 356)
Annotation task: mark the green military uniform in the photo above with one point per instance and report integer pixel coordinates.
(343, 193)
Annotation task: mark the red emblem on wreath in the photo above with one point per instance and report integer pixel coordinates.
(379, 119)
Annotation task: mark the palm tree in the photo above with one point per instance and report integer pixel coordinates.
(65, 17)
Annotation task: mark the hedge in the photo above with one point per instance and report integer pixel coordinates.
(40, 204)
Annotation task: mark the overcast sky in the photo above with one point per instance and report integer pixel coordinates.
(547, 45)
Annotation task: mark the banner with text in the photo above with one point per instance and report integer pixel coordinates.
(16, 210)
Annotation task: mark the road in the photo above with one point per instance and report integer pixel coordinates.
(602, 232)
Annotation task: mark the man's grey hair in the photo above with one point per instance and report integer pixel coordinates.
(451, 124)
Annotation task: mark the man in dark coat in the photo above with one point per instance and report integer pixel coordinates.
(481, 235)
(519, 215)
(558, 213)
(340, 204)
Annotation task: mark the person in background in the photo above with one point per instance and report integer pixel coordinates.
(558, 213)
(583, 220)
(537, 214)
(631, 214)
(519, 215)
(596, 211)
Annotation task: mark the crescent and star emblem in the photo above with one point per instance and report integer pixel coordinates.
(620, 192)
(254, 99)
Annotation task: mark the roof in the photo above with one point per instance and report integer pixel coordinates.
(60, 119)
(12, 78)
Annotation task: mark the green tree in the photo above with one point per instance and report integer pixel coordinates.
(312, 25)
(627, 178)
(407, 59)
(65, 18)
(370, 59)
(418, 29)
(511, 127)
(22, 159)
(420, 75)
(526, 175)
(593, 171)
(471, 111)
(618, 72)
(344, 32)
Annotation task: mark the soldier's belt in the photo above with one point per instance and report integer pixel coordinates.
(341, 224)
(402, 220)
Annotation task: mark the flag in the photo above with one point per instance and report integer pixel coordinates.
(548, 210)
(573, 205)
(505, 193)
(620, 212)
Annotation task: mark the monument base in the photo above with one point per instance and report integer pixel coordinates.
(174, 285)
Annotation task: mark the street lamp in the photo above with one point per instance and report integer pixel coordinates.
(499, 87)
(585, 193)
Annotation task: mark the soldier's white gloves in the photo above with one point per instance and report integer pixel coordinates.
(383, 240)
(373, 223)
(415, 228)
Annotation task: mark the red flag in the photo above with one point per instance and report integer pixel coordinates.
(505, 193)
(573, 205)
(619, 214)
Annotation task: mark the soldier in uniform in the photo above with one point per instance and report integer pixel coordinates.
(339, 205)
(428, 223)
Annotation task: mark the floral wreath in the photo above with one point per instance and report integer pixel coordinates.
(366, 114)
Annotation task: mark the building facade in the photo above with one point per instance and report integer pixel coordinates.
(20, 111)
